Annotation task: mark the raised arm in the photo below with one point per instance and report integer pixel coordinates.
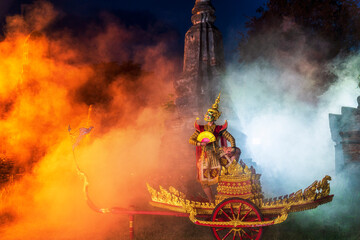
(229, 138)
(193, 138)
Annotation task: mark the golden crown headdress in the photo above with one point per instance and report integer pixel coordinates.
(214, 110)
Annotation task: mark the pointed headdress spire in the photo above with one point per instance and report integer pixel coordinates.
(215, 106)
(213, 113)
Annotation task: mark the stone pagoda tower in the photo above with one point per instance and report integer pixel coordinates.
(345, 132)
(200, 81)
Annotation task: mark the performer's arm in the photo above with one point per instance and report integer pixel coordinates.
(193, 138)
(230, 138)
(235, 150)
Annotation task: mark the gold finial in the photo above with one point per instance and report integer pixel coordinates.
(213, 113)
(217, 101)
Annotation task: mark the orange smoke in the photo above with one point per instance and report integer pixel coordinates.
(46, 83)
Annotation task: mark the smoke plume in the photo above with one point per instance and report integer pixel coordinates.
(49, 78)
(288, 134)
(50, 75)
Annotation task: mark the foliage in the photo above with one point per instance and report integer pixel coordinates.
(303, 34)
(337, 22)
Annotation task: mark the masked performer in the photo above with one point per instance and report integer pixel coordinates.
(211, 149)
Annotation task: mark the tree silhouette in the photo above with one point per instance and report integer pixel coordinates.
(315, 31)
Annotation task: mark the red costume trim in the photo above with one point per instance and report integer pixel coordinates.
(224, 127)
(196, 125)
(219, 129)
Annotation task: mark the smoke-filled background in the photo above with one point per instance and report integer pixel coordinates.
(50, 76)
(51, 71)
(299, 62)
(290, 141)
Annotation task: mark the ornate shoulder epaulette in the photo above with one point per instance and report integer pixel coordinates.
(197, 126)
(224, 126)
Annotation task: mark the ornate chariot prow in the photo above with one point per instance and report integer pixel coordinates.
(240, 203)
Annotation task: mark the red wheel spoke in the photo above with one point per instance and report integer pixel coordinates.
(240, 236)
(227, 235)
(234, 235)
(254, 230)
(232, 211)
(247, 235)
(226, 215)
(238, 216)
(246, 214)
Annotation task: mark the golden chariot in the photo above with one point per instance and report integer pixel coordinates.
(240, 210)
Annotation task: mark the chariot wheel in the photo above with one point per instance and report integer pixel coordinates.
(236, 209)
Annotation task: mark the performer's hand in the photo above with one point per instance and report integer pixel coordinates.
(229, 150)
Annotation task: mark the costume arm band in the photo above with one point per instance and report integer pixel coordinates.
(230, 138)
(193, 138)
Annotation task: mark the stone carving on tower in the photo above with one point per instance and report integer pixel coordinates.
(203, 62)
(345, 132)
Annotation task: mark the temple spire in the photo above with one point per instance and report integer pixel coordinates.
(203, 62)
(203, 12)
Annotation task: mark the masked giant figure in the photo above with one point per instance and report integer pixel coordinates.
(211, 149)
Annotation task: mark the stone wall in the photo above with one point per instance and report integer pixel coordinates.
(345, 132)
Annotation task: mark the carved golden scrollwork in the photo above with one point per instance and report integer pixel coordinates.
(248, 187)
(316, 191)
(323, 187)
(175, 200)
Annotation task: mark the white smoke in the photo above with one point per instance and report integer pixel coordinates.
(287, 137)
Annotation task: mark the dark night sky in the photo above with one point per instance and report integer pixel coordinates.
(231, 14)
